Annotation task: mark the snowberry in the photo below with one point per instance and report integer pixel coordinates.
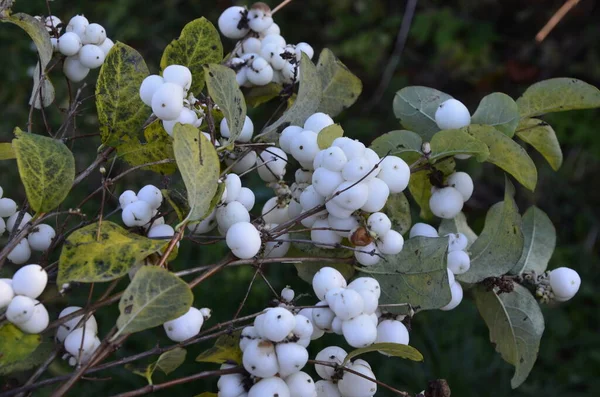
(301, 385)
(259, 19)
(304, 326)
(352, 148)
(231, 22)
(322, 316)
(457, 242)
(368, 255)
(565, 283)
(452, 114)
(249, 45)
(342, 226)
(161, 231)
(273, 213)
(6, 293)
(337, 211)
(317, 332)
(351, 195)
(149, 86)
(152, 195)
(248, 334)
(178, 74)
(91, 56)
(392, 331)
(310, 199)
(21, 253)
(422, 230)
(372, 157)
(231, 385)
(12, 220)
(287, 294)
(321, 233)
(304, 48)
(336, 326)
(326, 388)
(69, 44)
(378, 195)
(332, 354)
(260, 359)
(74, 69)
(291, 358)
(230, 214)
(38, 322)
(278, 324)
(233, 184)
(379, 223)
(8, 207)
(94, 34)
(345, 303)
(52, 21)
(204, 226)
(41, 237)
(245, 135)
(395, 173)
(106, 46)
(304, 146)
(127, 197)
(462, 182)
(457, 296)
(244, 240)
(366, 283)
(303, 176)
(391, 243)
(244, 164)
(80, 341)
(78, 25)
(352, 385)
(271, 164)
(285, 139)
(246, 198)
(167, 101)
(137, 213)
(184, 327)
(273, 54)
(451, 279)
(325, 181)
(446, 202)
(356, 168)
(20, 309)
(269, 387)
(271, 30)
(260, 72)
(360, 331)
(317, 122)
(334, 159)
(327, 278)
(30, 281)
(459, 262)
(274, 39)
(68, 326)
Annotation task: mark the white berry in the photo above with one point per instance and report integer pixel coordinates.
(41, 237)
(30, 281)
(565, 283)
(452, 114)
(332, 354)
(244, 240)
(149, 86)
(184, 327)
(167, 101)
(446, 202)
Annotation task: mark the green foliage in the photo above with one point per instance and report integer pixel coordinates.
(46, 167)
(121, 112)
(542, 137)
(225, 91)
(420, 186)
(43, 92)
(458, 224)
(498, 248)
(226, 349)
(396, 143)
(448, 143)
(341, 88)
(198, 44)
(558, 95)
(539, 242)
(516, 326)
(153, 297)
(499, 111)
(397, 208)
(167, 362)
(328, 134)
(15, 346)
(391, 349)
(306, 103)
(158, 146)
(416, 276)
(7, 152)
(415, 107)
(102, 252)
(44, 349)
(198, 163)
(258, 95)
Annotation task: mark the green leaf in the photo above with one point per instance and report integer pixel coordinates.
(306, 104)
(38, 33)
(45, 96)
(542, 137)
(390, 349)
(449, 143)
(516, 325)
(102, 252)
(121, 112)
(7, 152)
(420, 185)
(226, 349)
(341, 88)
(539, 243)
(558, 95)
(258, 95)
(198, 163)
(38, 356)
(15, 345)
(397, 142)
(198, 44)
(158, 146)
(415, 107)
(498, 248)
(458, 224)
(171, 360)
(417, 275)
(498, 110)
(506, 154)
(225, 91)
(328, 134)
(46, 167)
(153, 297)
(145, 372)
(397, 209)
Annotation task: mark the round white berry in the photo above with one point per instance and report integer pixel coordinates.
(303, 176)
(274, 39)
(248, 334)
(80, 341)
(285, 139)
(94, 34)
(379, 223)
(38, 322)
(452, 114)
(360, 331)
(332, 354)
(20, 309)
(260, 72)
(273, 213)
(304, 146)
(30, 281)
(233, 184)
(459, 262)
(346, 303)
(231, 22)
(273, 54)
(137, 213)
(326, 388)
(127, 197)
(250, 45)
(8, 207)
(273, 29)
(41, 237)
(310, 199)
(271, 164)
(78, 24)
(351, 195)
(325, 181)
(321, 233)
(372, 157)
(178, 74)
(317, 122)
(334, 159)
(6, 293)
(204, 226)
(230, 214)
(352, 385)
(392, 331)
(451, 278)
(106, 46)
(278, 323)
(161, 231)
(422, 230)
(378, 195)
(322, 316)
(291, 358)
(327, 278)
(243, 240)
(186, 116)
(12, 220)
(352, 148)
(391, 243)
(246, 198)
(184, 327)
(304, 326)
(152, 195)
(149, 86)
(301, 385)
(69, 44)
(245, 135)
(462, 182)
(74, 69)
(304, 48)
(287, 294)
(357, 168)
(366, 283)
(446, 202)
(68, 326)
(457, 296)
(269, 387)
(395, 173)
(21, 253)
(91, 56)
(565, 283)
(259, 358)
(457, 242)
(368, 255)
(167, 101)
(231, 385)
(259, 20)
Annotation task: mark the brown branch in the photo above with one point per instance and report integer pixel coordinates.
(556, 18)
(280, 6)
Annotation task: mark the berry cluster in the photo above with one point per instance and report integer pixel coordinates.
(340, 383)
(141, 209)
(18, 295)
(80, 338)
(167, 95)
(446, 202)
(188, 325)
(39, 239)
(262, 55)
(84, 44)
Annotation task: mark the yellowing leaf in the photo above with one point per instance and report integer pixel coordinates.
(102, 253)
(198, 44)
(390, 349)
(158, 146)
(258, 95)
(171, 360)
(328, 134)
(7, 152)
(449, 143)
(542, 137)
(46, 167)
(198, 163)
(15, 345)
(397, 209)
(420, 185)
(226, 349)
(341, 88)
(415, 107)
(153, 297)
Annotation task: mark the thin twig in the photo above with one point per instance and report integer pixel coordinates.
(556, 18)
(280, 6)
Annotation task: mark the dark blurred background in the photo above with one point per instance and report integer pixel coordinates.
(465, 48)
